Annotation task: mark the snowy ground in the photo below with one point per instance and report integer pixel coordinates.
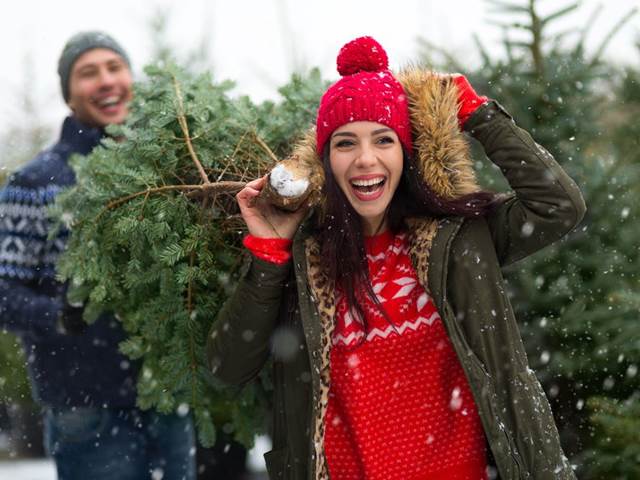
(44, 469)
(27, 470)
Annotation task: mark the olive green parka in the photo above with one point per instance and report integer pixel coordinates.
(286, 311)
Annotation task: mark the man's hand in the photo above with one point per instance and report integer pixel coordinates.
(70, 320)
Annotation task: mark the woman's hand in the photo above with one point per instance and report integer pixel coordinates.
(468, 99)
(263, 219)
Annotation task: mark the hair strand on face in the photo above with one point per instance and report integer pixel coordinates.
(340, 228)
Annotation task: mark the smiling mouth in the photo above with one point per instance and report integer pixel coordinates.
(364, 188)
(109, 102)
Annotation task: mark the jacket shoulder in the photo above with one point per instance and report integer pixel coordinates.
(473, 239)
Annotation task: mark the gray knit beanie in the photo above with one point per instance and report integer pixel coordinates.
(76, 46)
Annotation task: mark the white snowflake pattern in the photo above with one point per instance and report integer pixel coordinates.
(407, 285)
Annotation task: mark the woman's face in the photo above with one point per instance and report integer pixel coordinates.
(366, 161)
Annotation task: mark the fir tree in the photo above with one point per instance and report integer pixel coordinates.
(19, 143)
(617, 438)
(156, 235)
(576, 299)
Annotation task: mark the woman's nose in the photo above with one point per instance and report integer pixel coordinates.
(367, 157)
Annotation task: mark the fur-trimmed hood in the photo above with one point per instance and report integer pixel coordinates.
(443, 159)
(441, 152)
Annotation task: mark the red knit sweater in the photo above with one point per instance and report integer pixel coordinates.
(400, 407)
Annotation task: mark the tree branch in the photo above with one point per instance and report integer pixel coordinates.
(217, 187)
(182, 120)
(265, 147)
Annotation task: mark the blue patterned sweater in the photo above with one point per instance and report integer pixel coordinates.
(65, 370)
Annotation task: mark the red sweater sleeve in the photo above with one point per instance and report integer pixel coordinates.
(273, 250)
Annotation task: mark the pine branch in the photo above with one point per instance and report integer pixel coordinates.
(182, 120)
(507, 7)
(611, 34)
(216, 187)
(447, 56)
(187, 257)
(560, 13)
(536, 44)
(579, 48)
(483, 51)
(265, 147)
(192, 353)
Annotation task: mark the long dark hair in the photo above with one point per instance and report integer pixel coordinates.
(340, 228)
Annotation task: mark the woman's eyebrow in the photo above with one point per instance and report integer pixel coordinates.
(380, 130)
(344, 134)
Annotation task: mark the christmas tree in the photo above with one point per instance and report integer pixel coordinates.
(156, 232)
(577, 300)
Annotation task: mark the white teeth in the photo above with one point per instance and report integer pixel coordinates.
(109, 101)
(367, 183)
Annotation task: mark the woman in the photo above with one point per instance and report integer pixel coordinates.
(396, 354)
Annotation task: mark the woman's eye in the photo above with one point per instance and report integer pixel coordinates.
(344, 143)
(385, 140)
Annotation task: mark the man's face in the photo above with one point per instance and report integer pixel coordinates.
(100, 88)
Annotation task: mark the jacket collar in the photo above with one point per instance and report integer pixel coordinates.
(78, 137)
(438, 259)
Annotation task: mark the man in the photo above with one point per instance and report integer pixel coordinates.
(86, 387)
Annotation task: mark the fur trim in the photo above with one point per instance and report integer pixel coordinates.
(440, 149)
(323, 293)
(421, 235)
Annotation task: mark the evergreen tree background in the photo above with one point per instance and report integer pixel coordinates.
(577, 300)
(17, 145)
(19, 415)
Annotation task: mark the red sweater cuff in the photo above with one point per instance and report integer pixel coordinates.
(272, 250)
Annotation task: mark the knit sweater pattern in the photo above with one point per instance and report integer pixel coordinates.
(66, 370)
(400, 407)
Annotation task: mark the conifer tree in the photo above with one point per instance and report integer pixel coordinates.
(577, 299)
(20, 142)
(616, 450)
(156, 234)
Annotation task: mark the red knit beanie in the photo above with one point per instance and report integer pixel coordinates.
(367, 91)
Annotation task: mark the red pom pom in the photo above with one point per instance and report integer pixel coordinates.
(363, 54)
